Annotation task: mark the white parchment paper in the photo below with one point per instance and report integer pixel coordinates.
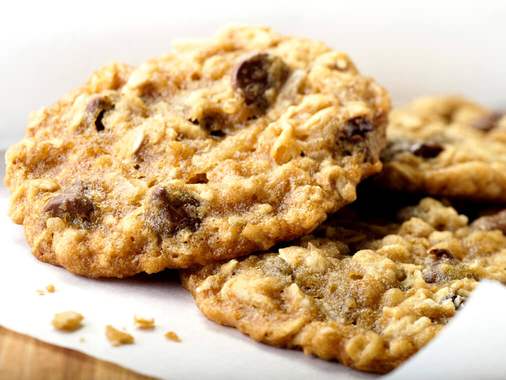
(473, 346)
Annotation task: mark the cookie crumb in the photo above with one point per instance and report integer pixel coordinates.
(171, 335)
(144, 323)
(117, 337)
(67, 321)
(50, 288)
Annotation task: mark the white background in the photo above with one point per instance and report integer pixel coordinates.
(412, 47)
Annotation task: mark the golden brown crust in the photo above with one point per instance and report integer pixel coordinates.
(446, 146)
(216, 150)
(369, 296)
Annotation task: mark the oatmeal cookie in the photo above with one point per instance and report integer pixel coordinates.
(369, 295)
(447, 146)
(213, 151)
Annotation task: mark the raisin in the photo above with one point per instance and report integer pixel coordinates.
(426, 149)
(256, 75)
(72, 206)
(488, 122)
(170, 211)
(95, 112)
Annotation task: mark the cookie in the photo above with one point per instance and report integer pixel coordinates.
(368, 294)
(213, 151)
(447, 146)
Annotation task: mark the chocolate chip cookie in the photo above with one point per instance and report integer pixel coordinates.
(447, 146)
(215, 150)
(366, 293)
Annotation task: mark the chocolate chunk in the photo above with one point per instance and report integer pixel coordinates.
(95, 111)
(170, 211)
(426, 149)
(73, 206)
(491, 222)
(256, 75)
(487, 122)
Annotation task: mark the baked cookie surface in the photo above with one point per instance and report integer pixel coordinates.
(369, 295)
(213, 151)
(446, 146)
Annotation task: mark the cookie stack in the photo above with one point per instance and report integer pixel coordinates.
(238, 160)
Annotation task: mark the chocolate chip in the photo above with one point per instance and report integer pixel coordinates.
(440, 253)
(357, 128)
(73, 206)
(353, 137)
(491, 222)
(256, 75)
(217, 134)
(213, 121)
(170, 211)
(95, 111)
(488, 122)
(426, 149)
(420, 149)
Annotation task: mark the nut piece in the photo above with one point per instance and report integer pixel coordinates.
(67, 321)
(144, 323)
(170, 211)
(171, 335)
(117, 337)
(259, 78)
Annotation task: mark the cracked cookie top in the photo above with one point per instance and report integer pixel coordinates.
(447, 146)
(368, 294)
(215, 150)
